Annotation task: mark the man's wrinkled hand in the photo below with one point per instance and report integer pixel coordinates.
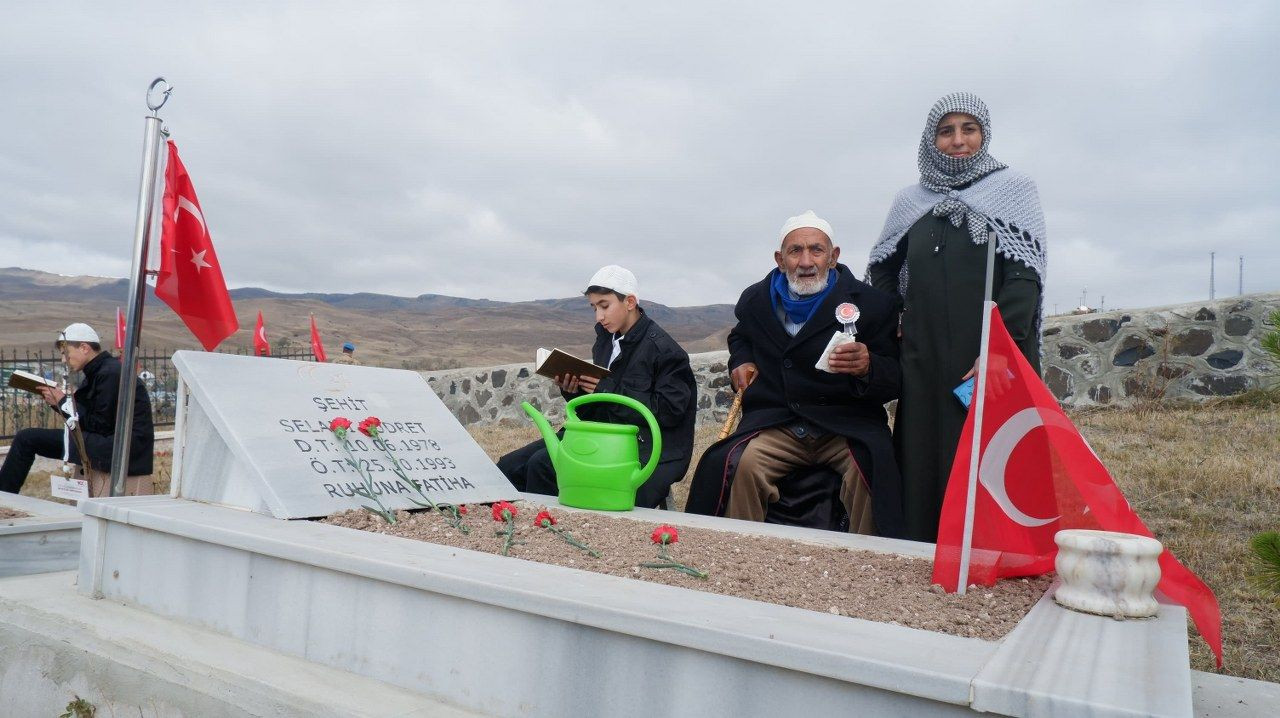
(853, 358)
(742, 376)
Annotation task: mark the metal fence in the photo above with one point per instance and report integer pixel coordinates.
(20, 409)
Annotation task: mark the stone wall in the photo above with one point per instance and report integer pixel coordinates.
(1185, 351)
(1182, 351)
(481, 395)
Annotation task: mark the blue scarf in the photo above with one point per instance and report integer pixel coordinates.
(798, 310)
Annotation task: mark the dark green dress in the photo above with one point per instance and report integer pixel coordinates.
(941, 331)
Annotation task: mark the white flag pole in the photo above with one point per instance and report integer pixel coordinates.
(980, 400)
(137, 288)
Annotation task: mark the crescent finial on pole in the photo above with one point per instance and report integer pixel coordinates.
(165, 91)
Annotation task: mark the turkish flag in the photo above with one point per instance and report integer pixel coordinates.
(316, 347)
(1036, 476)
(260, 346)
(119, 329)
(190, 279)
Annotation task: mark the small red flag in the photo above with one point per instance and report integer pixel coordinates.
(316, 347)
(119, 329)
(260, 346)
(190, 280)
(1037, 475)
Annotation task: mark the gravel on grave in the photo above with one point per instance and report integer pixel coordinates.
(11, 513)
(876, 587)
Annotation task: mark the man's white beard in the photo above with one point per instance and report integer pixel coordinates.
(804, 286)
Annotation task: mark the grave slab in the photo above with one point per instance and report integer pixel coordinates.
(46, 539)
(512, 637)
(256, 431)
(56, 644)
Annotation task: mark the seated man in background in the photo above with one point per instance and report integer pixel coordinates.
(95, 403)
(797, 418)
(644, 363)
(348, 355)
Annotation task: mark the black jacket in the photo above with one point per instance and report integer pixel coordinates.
(654, 370)
(96, 404)
(787, 385)
(788, 388)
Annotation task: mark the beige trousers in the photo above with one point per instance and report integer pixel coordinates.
(774, 453)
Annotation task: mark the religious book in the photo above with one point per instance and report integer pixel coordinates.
(552, 363)
(27, 381)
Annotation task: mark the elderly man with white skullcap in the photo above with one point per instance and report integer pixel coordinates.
(814, 355)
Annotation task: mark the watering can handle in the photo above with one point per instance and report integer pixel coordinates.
(654, 431)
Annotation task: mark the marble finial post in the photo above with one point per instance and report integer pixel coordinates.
(1107, 573)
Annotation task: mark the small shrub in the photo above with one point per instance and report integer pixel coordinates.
(1266, 556)
(79, 708)
(1271, 339)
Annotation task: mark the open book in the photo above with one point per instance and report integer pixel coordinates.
(27, 381)
(552, 363)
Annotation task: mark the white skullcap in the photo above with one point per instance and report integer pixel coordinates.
(614, 278)
(808, 219)
(78, 332)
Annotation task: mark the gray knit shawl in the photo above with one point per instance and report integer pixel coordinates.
(994, 199)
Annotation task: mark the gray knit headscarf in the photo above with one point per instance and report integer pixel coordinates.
(994, 199)
(941, 172)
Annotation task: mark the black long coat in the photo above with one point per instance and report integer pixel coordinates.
(941, 337)
(788, 386)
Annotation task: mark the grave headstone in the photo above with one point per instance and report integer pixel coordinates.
(254, 433)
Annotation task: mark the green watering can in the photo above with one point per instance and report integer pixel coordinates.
(598, 464)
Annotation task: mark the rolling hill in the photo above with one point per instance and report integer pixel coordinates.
(427, 331)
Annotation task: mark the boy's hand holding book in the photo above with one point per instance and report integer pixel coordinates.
(572, 374)
(571, 384)
(52, 396)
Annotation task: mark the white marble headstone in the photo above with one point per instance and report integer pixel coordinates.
(255, 435)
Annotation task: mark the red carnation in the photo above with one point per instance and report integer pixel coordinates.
(664, 535)
(462, 509)
(544, 516)
(340, 424)
(370, 426)
(503, 510)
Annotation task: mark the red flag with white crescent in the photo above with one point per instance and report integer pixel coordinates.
(260, 346)
(190, 280)
(119, 329)
(316, 347)
(1036, 476)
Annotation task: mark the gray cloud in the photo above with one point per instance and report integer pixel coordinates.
(506, 150)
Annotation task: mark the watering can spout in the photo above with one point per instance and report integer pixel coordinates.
(544, 428)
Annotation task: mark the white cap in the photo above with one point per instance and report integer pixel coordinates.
(78, 332)
(615, 278)
(808, 219)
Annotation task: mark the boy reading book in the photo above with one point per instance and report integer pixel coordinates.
(644, 363)
(95, 403)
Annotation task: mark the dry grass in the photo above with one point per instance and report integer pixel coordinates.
(1203, 478)
(1205, 481)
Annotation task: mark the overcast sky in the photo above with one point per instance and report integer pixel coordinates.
(508, 149)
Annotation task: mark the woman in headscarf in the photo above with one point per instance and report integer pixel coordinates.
(933, 252)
